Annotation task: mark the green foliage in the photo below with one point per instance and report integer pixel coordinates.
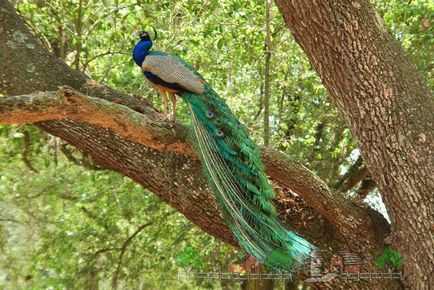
(389, 258)
(189, 257)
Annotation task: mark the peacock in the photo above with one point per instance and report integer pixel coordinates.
(230, 160)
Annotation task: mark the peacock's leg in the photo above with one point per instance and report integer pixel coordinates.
(173, 99)
(163, 94)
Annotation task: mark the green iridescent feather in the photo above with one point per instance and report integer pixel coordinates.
(235, 172)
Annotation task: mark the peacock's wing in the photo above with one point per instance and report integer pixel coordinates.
(172, 69)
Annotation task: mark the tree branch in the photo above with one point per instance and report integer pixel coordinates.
(123, 249)
(72, 105)
(126, 243)
(147, 130)
(353, 176)
(366, 186)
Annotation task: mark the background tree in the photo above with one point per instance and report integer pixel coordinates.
(88, 227)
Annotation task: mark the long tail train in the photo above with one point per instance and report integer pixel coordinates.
(233, 166)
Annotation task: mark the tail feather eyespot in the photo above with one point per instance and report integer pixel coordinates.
(209, 114)
(219, 133)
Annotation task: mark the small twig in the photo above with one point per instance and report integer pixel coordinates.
(25, 158)
(260, 103)
(86, 63)
(100, 251)
(123, 249)
(80, 162)
(125, 245)
(68, 154)
(187, 228)
(41, 192)
(56, 151)
(9, 220)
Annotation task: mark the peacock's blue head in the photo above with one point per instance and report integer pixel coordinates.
(142, 47)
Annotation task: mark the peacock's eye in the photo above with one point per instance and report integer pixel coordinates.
(220, 133)
(209, 114)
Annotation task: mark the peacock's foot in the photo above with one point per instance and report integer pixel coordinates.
(168, 118)
(172, 117)
(163, 117)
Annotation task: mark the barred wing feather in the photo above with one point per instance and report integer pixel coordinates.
(172, 70)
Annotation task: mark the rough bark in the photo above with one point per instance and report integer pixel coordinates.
(74, 106)
(322, 216)
(389, 109)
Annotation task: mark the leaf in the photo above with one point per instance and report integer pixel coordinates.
(390, 258)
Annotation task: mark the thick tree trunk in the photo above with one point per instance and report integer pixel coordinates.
(389, 109)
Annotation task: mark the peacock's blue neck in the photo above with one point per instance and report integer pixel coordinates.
(141, 50)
